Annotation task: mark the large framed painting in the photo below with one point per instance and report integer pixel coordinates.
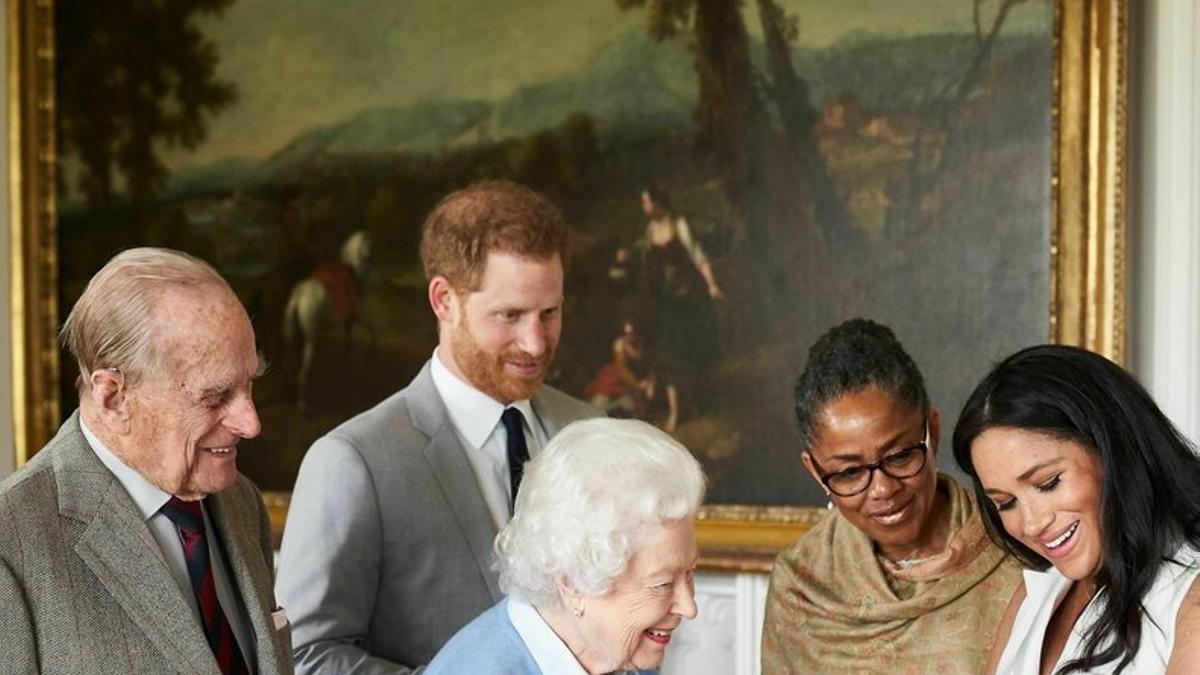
(739, 175)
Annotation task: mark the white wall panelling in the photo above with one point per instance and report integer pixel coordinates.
(724, 639)
(1165, 220)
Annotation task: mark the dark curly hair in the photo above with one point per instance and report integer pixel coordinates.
(1149, 502)
(852, 356)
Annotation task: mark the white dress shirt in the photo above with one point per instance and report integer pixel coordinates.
(548, 650)
(149, 499)
(476, 418)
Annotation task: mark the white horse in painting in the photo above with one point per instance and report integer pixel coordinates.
(320, 301)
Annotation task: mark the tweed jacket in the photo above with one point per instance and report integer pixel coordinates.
(84, 587)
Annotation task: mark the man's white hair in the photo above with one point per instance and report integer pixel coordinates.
(585, 501)
(112, 323)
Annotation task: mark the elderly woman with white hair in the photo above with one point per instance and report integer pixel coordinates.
(597, 561)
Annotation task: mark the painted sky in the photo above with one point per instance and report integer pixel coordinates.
(823, 22)
(305, 63)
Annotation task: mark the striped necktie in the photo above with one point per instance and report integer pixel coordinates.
(189, 520)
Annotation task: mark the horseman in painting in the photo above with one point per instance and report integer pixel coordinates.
(327, 299)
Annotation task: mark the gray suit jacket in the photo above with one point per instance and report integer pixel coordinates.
(388, 546)
(84, 587)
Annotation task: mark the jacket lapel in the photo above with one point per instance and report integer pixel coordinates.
(244, 556)
(448, 460)
(116, 545)
(547, 415)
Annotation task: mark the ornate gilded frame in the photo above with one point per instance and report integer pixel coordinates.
(31, 223)
(1088, 270)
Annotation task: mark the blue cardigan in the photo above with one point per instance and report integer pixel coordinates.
(489, 645)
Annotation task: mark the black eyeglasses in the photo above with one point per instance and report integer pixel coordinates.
(854, 480)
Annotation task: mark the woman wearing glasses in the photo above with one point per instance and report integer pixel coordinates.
(902, 576)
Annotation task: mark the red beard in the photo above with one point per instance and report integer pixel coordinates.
(485, 371)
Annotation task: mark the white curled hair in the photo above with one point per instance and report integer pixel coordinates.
(584, 502)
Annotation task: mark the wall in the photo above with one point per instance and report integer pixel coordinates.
(1165, 213)
(724, 638)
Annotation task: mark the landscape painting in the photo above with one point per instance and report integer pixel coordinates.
(738, 176)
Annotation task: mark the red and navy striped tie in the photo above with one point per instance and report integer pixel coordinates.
(190, 522)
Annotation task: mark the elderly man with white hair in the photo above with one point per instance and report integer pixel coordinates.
(597, 561)
(130, 543)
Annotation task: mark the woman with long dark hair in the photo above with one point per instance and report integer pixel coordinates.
(1088, 483)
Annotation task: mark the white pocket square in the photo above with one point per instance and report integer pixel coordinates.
(279, 618)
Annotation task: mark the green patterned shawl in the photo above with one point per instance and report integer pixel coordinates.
(832, 608)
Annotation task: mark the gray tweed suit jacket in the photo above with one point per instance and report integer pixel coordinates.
(388, 546)
(84, 587)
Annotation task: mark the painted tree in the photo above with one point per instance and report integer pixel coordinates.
(729, 115)
(133, 77)
(763, 178)
(797, 114)
(925, 166)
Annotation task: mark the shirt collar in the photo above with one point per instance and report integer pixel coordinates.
(474, 413)
(1038, 583)
(147, 496)
(547, 649)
